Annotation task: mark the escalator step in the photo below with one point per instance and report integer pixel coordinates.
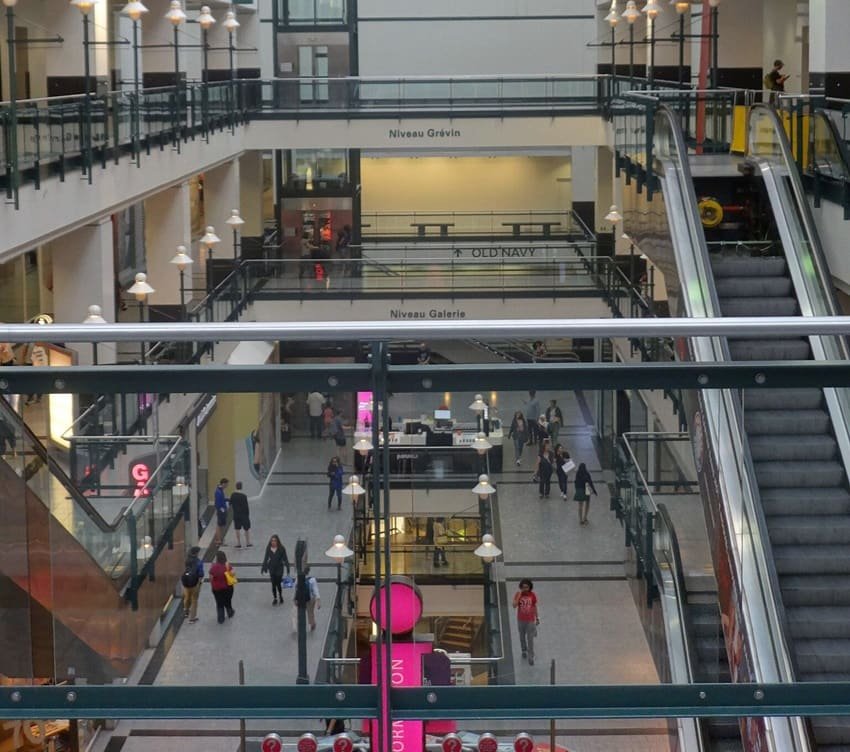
(729, 265)
(801, 447)
(724, 744)
(803, 530)
(777, 422)
(812, 501)
(811, 560)
(753, 287)
(815, 590)
(825, 622)
(821, 656)
(780, 306)
(769, 349)
(779, 399)
(812, 474)
(832, 732)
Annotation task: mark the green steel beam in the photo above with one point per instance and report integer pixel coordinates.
(432, 378)
(358, 701)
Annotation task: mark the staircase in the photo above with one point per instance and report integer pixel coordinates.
(802, 484)
(712, 665)
(457, 633)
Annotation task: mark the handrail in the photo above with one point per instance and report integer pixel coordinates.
(140, 494)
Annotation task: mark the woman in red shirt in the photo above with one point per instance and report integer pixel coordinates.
(527, 618)
(222, 590)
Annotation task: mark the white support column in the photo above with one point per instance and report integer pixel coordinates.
(221, 196)
(829, 53)
(84, 275)
(167, 225)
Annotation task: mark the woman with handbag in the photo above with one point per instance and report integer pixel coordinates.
(584, 488)
(222, 580)
(274, 562)
(563, 465)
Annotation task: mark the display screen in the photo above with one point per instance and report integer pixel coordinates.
(442, 414)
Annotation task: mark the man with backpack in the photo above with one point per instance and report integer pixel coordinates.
(774, 81)
(193, 576)
(308, 596)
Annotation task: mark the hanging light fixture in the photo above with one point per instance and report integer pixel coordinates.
(339, 550)
(652, 9)
(680, 5)
(134, 10)
(478, 404)
(613, 214)
(480, 444)
(181, 259)
(363, 446)
(631, 13)
(206, 20)
(230, 24)
(353, 488)
(483, 487)
(95, 315)
(176, 15)
(140, 288)
(613, 16)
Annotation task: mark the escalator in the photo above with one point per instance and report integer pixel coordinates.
(70, 579)
(778, 457)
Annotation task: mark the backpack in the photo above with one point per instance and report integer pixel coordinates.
(190, 576)
(768, 82)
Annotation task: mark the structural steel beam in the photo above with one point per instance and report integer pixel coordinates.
(332, 377)
(359, 701)
(435, 328)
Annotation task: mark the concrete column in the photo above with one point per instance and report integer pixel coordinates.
(829, 52)
(167, 225)
(258, 35)
(221, 196)
(251, 192)
(84, 275)
(741, 47)
(783, 39)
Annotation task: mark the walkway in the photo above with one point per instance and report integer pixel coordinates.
(590, 626)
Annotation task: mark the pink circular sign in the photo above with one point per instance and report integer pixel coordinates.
(272, 743)
(307, 743)
(343, 743)
(524, 743)
(488, 743)
(405, 605)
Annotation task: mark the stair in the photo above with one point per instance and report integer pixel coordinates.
(457, 633)
(802, 484)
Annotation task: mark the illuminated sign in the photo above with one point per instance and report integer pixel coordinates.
(140, 474)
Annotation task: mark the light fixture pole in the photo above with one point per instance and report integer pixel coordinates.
(141, 289)
(681, 8)
(134, 10)
(12, 155)
(235, 221)
(631, 14)
(181, 260)
(206, 22)
(177, 17)
(339, 552)
(85, 7)
(715, 41)
(230, 25)
(302, 588)
(95, 317)
(652, 9)
(613, 18)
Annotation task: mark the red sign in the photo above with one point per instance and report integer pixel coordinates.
(307, 743)
(140, 473)
(452, 743)
(488, 743)
(272, 743)
(343, 743)
(523, 743)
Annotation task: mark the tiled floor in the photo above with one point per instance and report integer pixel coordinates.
(590, 627)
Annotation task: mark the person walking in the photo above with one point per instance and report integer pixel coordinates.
(220, 511)
(545, 463)
(222, 581)
(241, 515)
(441, 538)
(193, 576)
(775, 81)
(542, 431)
(563, 465)
(519, 433)
(554, 420)
(584, 488)
(313, 599)
(532, 410)
(334, 474)
(275, 562)
(527, 617)
(315, 405)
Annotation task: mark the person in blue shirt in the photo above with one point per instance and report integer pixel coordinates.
(220, 511)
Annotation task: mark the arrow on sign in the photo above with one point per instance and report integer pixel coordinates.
(458, 252)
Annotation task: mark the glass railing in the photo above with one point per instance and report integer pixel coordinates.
(313, 12)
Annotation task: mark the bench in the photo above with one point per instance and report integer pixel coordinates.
(422, 226)
(546, 227)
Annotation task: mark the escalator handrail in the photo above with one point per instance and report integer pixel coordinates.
(751, 499)
(8, 413)
(843, 150)
(809, 226)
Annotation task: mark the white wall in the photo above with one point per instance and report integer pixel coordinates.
(442, 37)
(833, 228)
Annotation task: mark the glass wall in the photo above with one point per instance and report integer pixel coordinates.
(314, 12)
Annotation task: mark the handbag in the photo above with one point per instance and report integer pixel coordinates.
(230, 578)
(568, 466)
(287, 582)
